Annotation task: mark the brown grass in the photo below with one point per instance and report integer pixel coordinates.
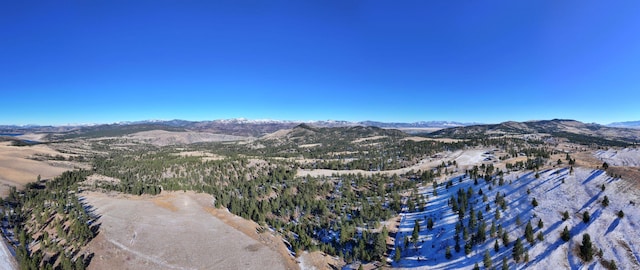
(16, 169)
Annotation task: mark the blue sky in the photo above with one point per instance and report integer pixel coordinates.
(470, 61)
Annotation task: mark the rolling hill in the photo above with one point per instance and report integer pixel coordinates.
(570, 129)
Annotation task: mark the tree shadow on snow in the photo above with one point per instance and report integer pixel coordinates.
(590, 201)
(613, 226)
(594, 175)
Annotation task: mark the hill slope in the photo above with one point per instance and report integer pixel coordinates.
(570, 129)
(555, 191)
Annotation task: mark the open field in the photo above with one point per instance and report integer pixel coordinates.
(163, 138)
(17, 169)
(175, 231)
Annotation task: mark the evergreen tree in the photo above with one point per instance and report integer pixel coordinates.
(398, 254)
(605, 201)
(505, 264)
(534, 202)
(447, 253)
(586, 217)
(381, 244)
(620, 214)
(586, 249)
(540, 236)
(518, 249)
(496, 246)
(540, 224)
(476, 267)
(416, 232)
(505, 239)
(528, 232)
(565, 215)
(565, 235)
(467, 247)
(481, 234)
(487, 260)
(492, 230)
(430, 223)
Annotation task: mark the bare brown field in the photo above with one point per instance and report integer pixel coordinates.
(163, 138)
(16, 169)
(178, 230)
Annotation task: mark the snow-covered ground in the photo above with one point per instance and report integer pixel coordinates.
(624, 157)
(581, 191)
(6, 259)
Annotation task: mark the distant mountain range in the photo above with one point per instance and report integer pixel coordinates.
(613, 134)
(629, 124)
(237, 126)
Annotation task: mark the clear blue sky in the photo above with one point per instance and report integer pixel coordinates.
(472, 61)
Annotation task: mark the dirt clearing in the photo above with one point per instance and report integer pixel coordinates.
(174, 231)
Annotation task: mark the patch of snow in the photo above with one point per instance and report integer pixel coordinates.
(6, 259)
(623, 157)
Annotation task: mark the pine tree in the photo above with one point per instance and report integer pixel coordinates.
(534, 202)
(447, 253)
(496, 246)
(565, 215)
(476, 267)
(540, 236)
(586, 249)
(381, 244)
(528, 232)
(605, 201)
(586, 217)
(487, 260)
(398, 254)
(540, 224)
(565, 235)
(505, 264)
(505, 239)
(481, 234)
(492, 230)
(467, 247)
(518, 249)
(416, 232)
(620, 214)
(430, 223)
